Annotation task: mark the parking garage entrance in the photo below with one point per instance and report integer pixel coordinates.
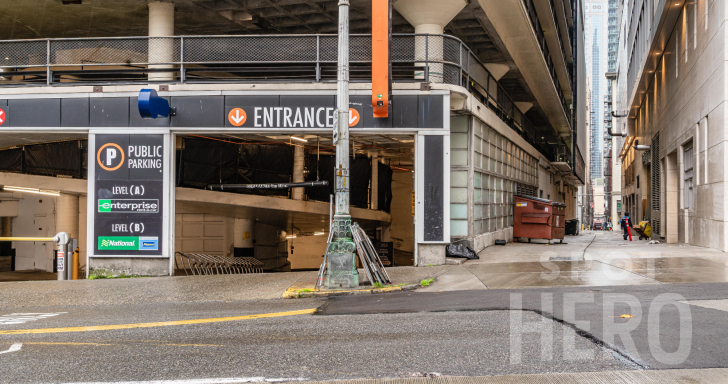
(138, 194)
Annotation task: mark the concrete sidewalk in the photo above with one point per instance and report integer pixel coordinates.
(590, 259)
(677, 376)
(176, 289)
(594, 258)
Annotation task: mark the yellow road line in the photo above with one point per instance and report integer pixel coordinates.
(49, 343)
(151, 325)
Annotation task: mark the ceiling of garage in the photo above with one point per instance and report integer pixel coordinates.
(30, 19)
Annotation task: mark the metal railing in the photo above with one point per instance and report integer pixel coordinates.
(252, 59)
(202, 264)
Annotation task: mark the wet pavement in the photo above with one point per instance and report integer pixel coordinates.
(594, 258)
(32, 275)
(657, 326)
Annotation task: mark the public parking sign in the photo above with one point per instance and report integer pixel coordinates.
(129, 195)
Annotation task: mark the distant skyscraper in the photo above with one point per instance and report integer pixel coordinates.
(597, 41)
(596, 116)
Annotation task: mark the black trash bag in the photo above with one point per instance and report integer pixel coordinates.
(454, 250)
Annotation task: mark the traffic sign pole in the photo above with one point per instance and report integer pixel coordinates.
(341, 260)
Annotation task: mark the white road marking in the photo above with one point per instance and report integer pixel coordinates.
(232, 380)
(13, 348)
(20, 318)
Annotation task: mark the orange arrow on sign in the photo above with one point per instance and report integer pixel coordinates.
(237, 117)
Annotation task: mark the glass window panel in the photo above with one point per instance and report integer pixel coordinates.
(459, 124)
(459, 157)
(486, 211)
(458, 211)
(477, 196)
(477, 179)
(486, 196)
(478, 212)
(458, 195)
(458, 178)
(492, 165)
(458, 227)
(459, 140)
(478, 226)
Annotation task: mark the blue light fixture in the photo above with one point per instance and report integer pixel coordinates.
(152, 106)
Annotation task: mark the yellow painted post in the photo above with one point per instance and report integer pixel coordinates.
(76, 265)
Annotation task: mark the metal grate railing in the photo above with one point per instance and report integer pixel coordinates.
(245, 59)
(655, 176)
(203, 264)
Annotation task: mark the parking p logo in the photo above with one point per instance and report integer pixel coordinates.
(110, 156)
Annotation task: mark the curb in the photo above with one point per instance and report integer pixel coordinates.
(298, 293)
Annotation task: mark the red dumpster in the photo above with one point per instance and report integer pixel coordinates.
(536, 218)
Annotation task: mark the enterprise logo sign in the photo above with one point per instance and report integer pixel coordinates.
(128, 243)
(129, 205)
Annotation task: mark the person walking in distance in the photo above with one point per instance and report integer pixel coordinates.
(626, 223)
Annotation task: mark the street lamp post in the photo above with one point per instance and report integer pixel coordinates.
(341, 270)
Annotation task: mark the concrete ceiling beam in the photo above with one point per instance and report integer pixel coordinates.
(429, 16)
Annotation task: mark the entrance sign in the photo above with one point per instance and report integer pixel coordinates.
(3, 117)
(128, 195)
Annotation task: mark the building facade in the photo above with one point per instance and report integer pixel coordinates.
(478, 115)
(670, 84)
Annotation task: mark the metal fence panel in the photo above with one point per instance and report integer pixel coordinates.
(241, 49)
(23, 53)
(124, 51)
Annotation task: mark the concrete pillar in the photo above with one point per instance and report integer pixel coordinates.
(161, 50)
(386, 233)
(374, 188)
(243, 236)
(430, 17)
(6, 225)
(298, 162)
(67, 214)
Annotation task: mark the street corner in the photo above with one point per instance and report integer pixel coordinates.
(313, 292)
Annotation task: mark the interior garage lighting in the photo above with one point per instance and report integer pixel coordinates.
(291, 237)
(31, 190)
(319, 233)
(299, 139)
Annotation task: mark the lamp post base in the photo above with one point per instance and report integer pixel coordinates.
(341, 270)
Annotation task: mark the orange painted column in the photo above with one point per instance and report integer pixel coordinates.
(381, 68)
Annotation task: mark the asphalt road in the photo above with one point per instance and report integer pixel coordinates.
(310, 347)
(664, 331)
(462, 333)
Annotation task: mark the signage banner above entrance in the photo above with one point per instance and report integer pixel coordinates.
(128, 195)
(288, 117)
(256, 110)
